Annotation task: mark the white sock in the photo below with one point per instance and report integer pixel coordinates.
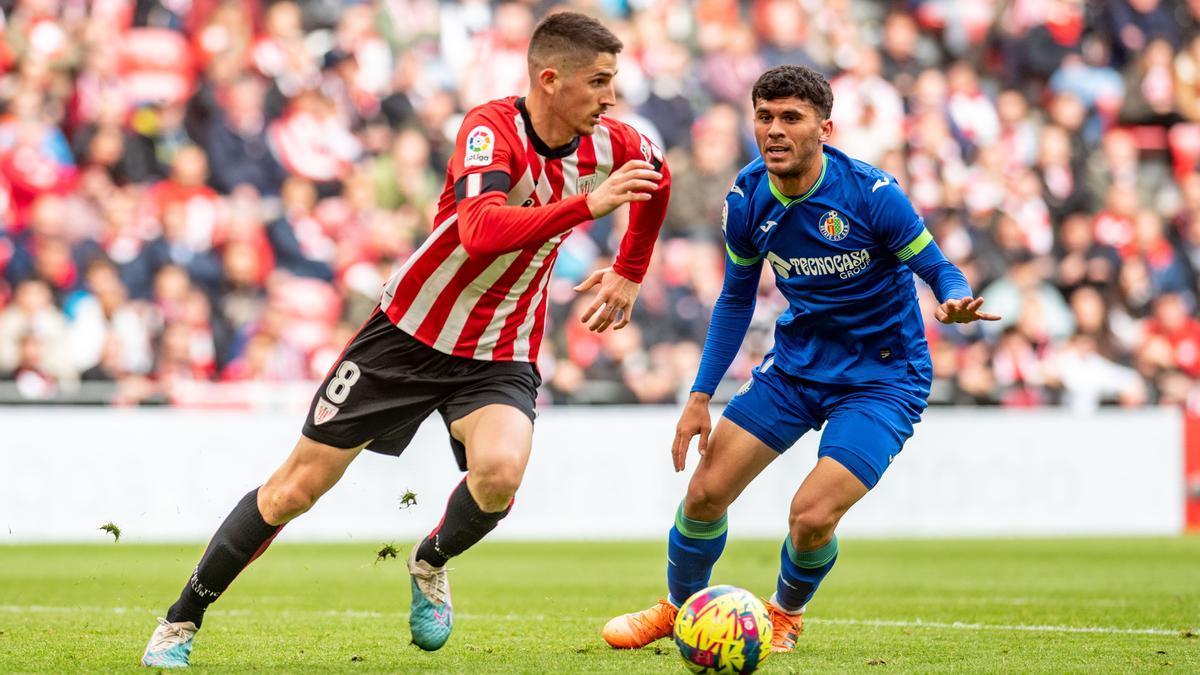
(778, 605)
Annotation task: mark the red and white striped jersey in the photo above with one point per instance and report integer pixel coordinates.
(477, 287)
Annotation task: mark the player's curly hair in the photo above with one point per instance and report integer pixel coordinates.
(799, 82)
(570, 40)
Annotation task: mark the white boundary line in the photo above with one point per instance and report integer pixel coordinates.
(874, 623)
(960, 625)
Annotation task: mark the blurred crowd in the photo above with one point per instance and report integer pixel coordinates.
(200, 191)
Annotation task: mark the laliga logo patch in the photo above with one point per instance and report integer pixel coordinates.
(480, 144)
(647, 154)
(833, 227)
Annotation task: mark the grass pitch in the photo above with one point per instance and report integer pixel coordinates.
(889, 606)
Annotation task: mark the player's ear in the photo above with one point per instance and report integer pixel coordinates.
(826, 131)
(549, 80)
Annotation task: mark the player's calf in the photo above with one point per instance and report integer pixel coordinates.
(240, 539)
(431, 617)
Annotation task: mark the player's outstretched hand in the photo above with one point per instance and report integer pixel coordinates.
(616, 294)
(965, 310)
(633, 182)
(694, 421)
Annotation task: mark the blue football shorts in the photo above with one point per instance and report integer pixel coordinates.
(867, 423)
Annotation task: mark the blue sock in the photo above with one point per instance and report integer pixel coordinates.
(692, 549)
(800, 572)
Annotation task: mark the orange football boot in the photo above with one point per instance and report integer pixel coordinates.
(638, 629)
(785, 628)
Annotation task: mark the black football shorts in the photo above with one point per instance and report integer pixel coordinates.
(387, 382)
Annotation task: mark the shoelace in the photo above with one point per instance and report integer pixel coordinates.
(787, 637)
(643, 621)
(436, 584)
(171, 636)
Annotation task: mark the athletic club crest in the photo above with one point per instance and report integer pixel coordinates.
(324, 411)
(833, 226)
(585, 184)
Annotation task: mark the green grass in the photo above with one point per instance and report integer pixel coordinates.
(538, 608)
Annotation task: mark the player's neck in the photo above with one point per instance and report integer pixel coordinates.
(800, 184)
(553, 131)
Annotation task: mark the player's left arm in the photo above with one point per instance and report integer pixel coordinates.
(620, 284)
(904, 233)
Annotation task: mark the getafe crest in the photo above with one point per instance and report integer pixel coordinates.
(833, 226)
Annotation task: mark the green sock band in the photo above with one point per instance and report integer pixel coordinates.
(700, 529)
(811, 559)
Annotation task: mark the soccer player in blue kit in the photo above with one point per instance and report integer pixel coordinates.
(850, 353)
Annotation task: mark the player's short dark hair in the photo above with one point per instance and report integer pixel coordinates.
(569, 40)
(799, 82)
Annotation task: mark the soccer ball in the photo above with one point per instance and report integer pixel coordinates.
(723, 629)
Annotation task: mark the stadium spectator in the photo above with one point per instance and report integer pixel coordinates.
(867, 111)
(1134, 24)
(104, 322)
(236, 141)
(710, 169)
(35, 347)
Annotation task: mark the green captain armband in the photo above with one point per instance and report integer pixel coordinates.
(739, 260)
(915, 246)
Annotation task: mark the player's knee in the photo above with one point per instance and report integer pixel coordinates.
(811, 528)
(495, 484)
(284, 501)
(705, 502)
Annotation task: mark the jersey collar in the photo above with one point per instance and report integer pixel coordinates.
(539, 145)
(788, 201)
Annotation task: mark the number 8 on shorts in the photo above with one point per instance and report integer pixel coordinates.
(339, 387)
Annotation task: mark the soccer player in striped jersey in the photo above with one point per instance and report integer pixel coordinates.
(459, 325)
(843, 242)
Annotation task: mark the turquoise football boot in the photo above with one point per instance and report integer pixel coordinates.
(170, 645)
(431, 616)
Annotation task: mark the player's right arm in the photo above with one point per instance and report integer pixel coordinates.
(730, 320)
(482, 168)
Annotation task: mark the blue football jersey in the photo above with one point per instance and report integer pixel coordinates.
(838, 254)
